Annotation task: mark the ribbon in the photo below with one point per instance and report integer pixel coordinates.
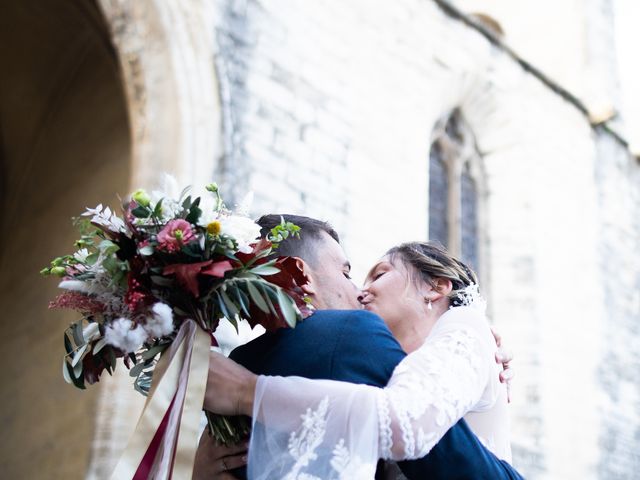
(165, 440)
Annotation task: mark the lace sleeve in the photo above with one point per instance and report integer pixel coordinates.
(433, 387)
(311, 429)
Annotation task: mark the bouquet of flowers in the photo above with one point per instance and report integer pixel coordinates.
(152, 284)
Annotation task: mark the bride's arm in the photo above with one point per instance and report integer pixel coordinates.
(430, 390)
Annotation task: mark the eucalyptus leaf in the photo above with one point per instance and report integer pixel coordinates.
(288, 310)
(270, 296)
(77, 370)
(231, 307)
(243, 300)
(153, 351)
(264, 270)
(76, 329)
(136, 369)
(223, 307)
(256, 297)
(65, 372)
(147, 250)
(78, 355)
(99, 345)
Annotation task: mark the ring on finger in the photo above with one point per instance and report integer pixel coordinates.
(224, 465)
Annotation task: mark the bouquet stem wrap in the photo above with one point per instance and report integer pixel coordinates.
(165, 440)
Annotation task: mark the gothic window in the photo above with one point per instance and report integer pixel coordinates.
(455, 190)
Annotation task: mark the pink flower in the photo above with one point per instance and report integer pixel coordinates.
(175, 234)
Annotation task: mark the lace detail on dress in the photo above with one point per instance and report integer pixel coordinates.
(384, 422)
(303, 445)
(430, 391)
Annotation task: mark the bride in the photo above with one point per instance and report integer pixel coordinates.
(307, 429)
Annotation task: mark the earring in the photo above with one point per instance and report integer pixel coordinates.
(429, 305)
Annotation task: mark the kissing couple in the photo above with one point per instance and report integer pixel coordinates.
(405, 370)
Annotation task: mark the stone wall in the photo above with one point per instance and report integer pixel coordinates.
(329, 108)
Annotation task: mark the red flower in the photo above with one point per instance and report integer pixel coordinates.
(187, 274)
(174, 235)
(218, 269)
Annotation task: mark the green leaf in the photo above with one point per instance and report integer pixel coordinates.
(108, 247)
(141, 212)
(264, 270)
(153, 351)
(65, 372)
(288, 310)
(78, 355)
(223, 307)
(76, 329)
(243, 300)
(187, 203)
(99, 345)
(68, 346)
(256, 297)
(231, 307)
(270, 296)
(157, 211)
(136, 369)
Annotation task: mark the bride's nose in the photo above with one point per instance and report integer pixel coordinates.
(362, 295)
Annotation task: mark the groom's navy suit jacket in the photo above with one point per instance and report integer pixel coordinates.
(356, 346)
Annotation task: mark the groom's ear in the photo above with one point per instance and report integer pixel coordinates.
(309, 287)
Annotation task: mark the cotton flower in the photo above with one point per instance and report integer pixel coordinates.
(228, 338)
(91, 332)
(74, 286)
(121, 335)
(160, 324)
(244, 230)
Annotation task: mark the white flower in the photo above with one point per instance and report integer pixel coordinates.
(168, 193)
(208, 207)
(106, 218)
(81, 255)
(228, 338)
(160, 324)
(244, 230)
(74, 286)
(122, 336)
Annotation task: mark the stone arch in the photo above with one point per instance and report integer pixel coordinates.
(65, 145)
(164, 48)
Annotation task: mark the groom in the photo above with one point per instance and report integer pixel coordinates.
(340, 341)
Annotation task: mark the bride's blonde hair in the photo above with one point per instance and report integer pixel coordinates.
(429, 261)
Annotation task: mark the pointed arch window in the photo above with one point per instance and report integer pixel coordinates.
(456, 190)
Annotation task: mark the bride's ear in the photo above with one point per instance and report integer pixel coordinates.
(443, 286)
(309, 287)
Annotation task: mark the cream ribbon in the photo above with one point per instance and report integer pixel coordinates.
(181, 372)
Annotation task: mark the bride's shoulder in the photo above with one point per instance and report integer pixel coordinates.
(464, 314)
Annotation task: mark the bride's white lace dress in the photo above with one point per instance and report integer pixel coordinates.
(320, 429)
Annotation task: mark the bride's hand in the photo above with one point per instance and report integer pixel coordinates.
(230, 387)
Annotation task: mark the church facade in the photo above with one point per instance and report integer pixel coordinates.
(394, 121)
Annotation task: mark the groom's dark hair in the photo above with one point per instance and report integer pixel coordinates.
(304, 247)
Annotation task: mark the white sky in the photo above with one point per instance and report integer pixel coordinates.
(627, 18)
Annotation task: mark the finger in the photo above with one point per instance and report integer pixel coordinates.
(222, 450)
(235, 461)
(503, 356)
(506, 376)
(497, 337)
